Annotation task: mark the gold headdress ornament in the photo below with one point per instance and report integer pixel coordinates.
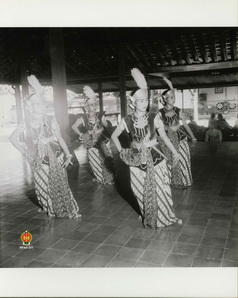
(35, 84)
(139, 78)
(36, 96)
(141, 83)
(89, 93)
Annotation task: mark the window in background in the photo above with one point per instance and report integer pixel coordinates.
(111, 106)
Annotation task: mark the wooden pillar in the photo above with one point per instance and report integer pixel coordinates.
(100, 93)
(59, 80)
(195, 105)
(24, 83)
(122, 81)
(22, 90)
(18, 104)
(182, 100)
(22, 68)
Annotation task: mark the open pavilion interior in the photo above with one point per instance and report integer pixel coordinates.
(110, 234)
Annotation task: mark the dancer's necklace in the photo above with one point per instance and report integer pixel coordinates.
(140, 121)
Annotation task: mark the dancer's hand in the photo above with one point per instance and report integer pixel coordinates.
(67, 161)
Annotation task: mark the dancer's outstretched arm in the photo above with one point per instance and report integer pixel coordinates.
(76, 125)
(159, 126)
(117, 132)
(57, 133)
(15, 139)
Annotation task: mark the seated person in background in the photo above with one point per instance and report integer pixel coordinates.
(213, 137)
(222, 123)
(198, 131)
(224, 126)
(193, 126)
(212, 119)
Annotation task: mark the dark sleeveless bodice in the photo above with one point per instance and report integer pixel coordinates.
(139, 134)
(170, 120)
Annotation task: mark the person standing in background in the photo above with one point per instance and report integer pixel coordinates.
(213, 137)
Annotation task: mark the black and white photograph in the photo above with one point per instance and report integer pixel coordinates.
(119, 147)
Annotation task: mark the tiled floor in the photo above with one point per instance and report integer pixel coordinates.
(110, 233)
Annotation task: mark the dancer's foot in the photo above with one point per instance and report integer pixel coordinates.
(40, 210)
(180, 222)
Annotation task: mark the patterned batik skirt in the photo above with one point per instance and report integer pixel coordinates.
(153, 194)
(181, 175)
(98, 165)
(52, 189)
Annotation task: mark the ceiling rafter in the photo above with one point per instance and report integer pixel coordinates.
(202, 45)
(147, 50)
(213, 42)
(194, 49)
(185, 53)
(137, 49)
(223, 47)
(160, 56)
(131, 51)
(234, 40)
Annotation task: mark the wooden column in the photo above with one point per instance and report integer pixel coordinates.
(59, 80)
(182, 100)
(122, 81)
(100, 93)
(195, 105)
(22, 67)
(24, 83)
(18, 104)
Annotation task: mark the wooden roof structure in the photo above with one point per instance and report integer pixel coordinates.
(193, 57)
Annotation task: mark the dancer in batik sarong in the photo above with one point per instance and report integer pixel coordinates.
(181, 175)
(39, 140)
(149, 173)
(95, 131)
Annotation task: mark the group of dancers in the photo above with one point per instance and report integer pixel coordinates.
(157, 155)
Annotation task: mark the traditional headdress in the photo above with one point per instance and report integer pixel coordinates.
(89, 94)
(37, 93)
(88, 91)
(141, 83)
(163, 96)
